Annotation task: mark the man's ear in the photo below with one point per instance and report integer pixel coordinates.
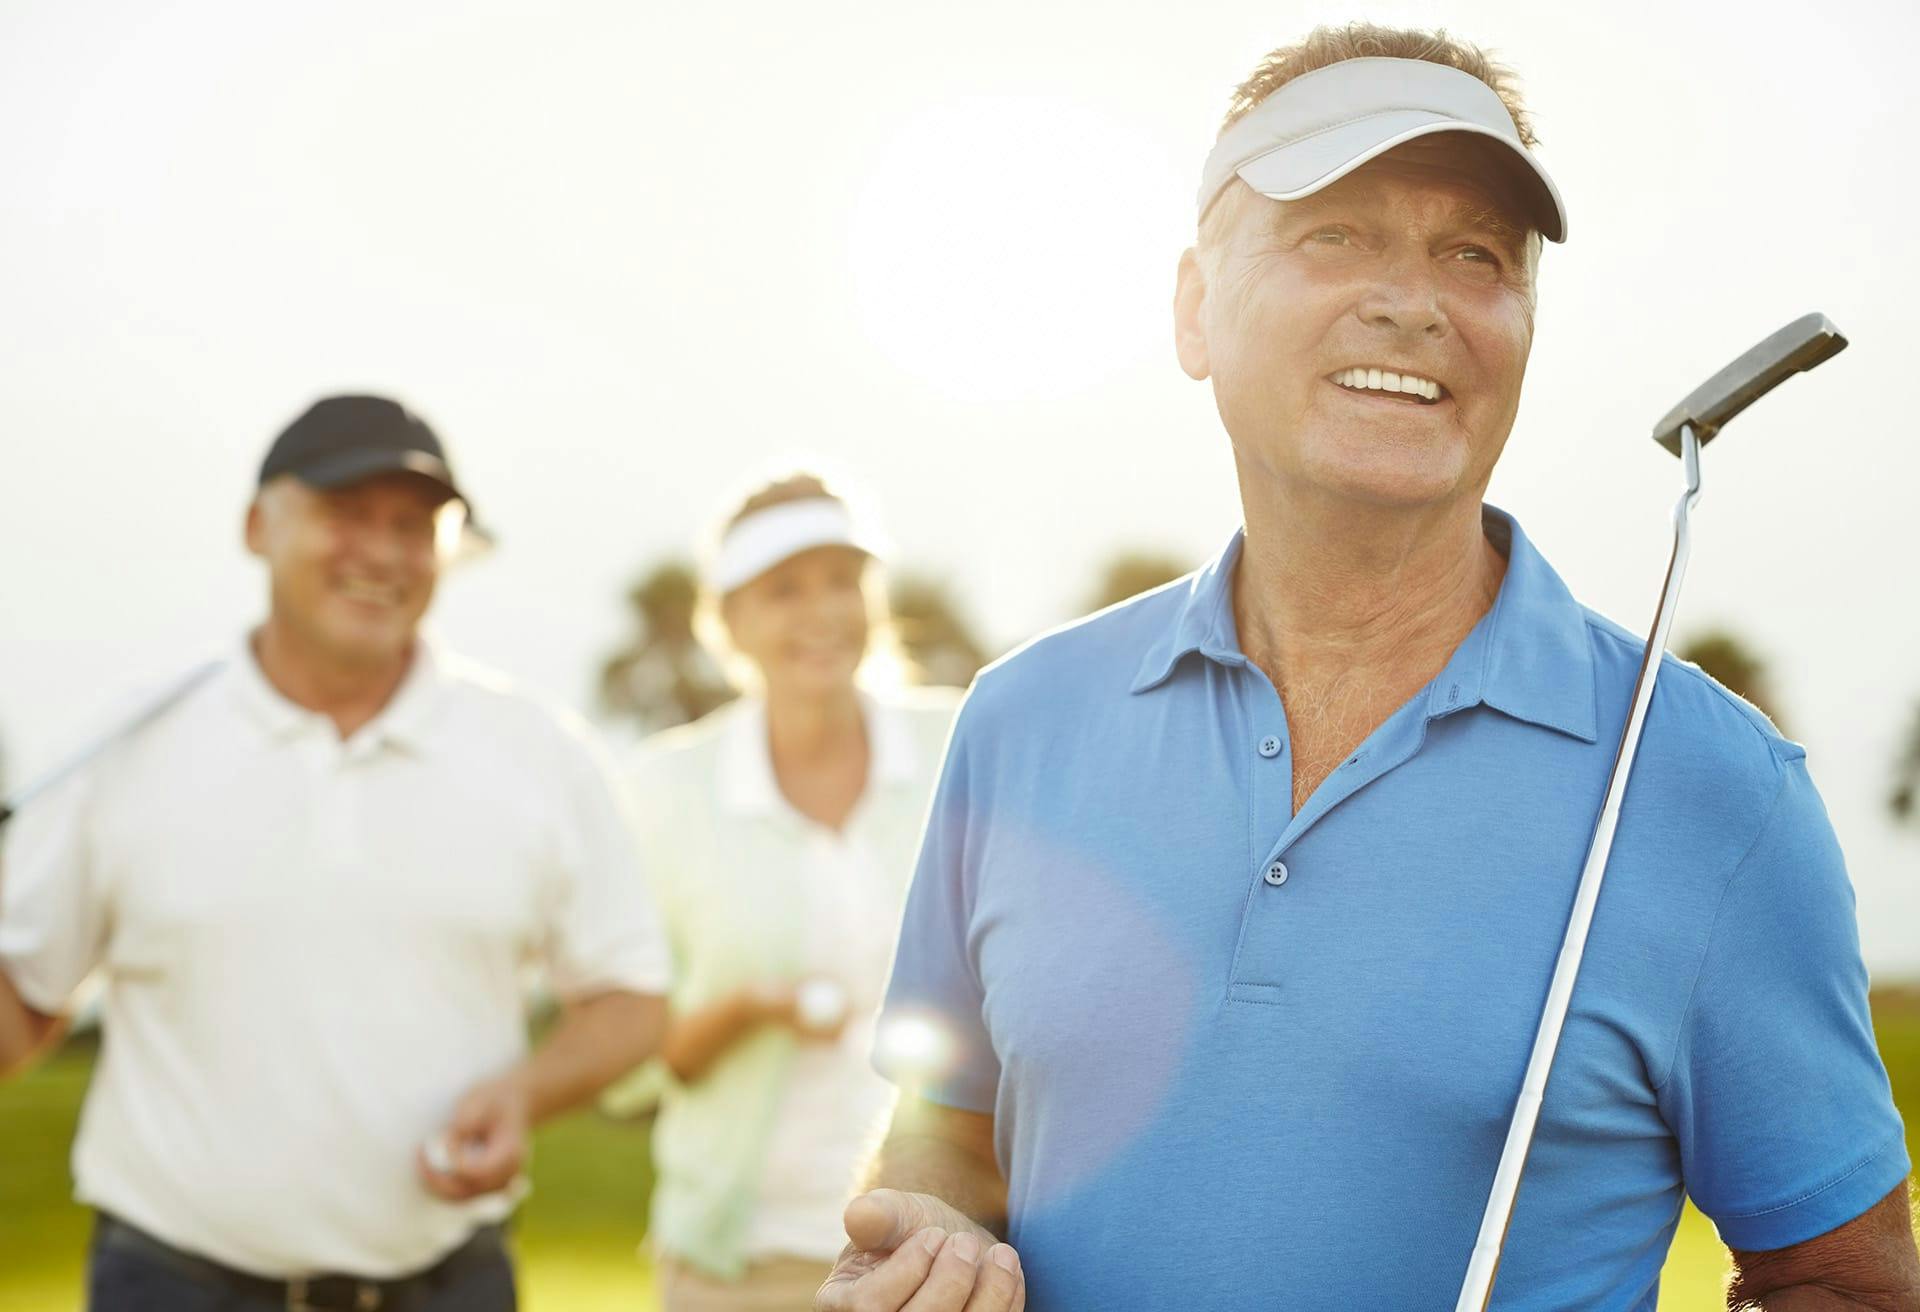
(256, 529)
(1189, 310)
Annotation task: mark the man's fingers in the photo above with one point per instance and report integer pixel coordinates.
(1000, 1285)
(472, 1118)
(880, 1218)
(950, 1285)
(875, 1221)
(442, 1184)
(856, 1286)
(494, 1159)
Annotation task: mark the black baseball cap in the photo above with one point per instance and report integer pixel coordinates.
(343, 439)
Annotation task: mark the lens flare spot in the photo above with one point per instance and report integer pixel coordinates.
(913, 1049)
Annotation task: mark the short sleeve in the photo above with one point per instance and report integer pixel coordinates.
(1777, 1095)
(932, 1038)
(53, 918)
(606, 932)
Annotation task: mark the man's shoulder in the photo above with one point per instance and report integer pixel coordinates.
(1700, 734)
(1096, 657)
(478, 699)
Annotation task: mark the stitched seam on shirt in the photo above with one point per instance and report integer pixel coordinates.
(1739, 868)
(1258, 1002)
(1834, 1183)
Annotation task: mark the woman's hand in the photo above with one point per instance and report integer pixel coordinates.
(814, 1008)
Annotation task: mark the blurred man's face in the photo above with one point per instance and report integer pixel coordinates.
(804, 622)
(352, 569)
(1415, 265)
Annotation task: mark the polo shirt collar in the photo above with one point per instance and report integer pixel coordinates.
(276, 716)
(1203, 622)
(747, 782)
(403, 722)
(1529, 657)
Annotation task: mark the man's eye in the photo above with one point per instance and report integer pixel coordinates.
(1478, 255)
(1329, 237)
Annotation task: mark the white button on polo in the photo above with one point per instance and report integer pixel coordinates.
(1269, 747)
(1276, 873)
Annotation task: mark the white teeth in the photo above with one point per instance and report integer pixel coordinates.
(1385, 380)
(366, 590)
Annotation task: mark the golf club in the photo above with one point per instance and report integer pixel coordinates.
(1801, 345)
(10, 806)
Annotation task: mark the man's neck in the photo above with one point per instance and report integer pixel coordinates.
(348, 693)
(1326, 588)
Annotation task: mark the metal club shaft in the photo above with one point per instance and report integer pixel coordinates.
(10, 806)
(1477, 1288)
(1804, 344)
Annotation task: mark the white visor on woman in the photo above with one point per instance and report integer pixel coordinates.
(1323, 125)
(761, 540)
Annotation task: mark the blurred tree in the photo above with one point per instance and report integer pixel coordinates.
(938, 643)
(1736, 666)
(1131, 573)
(662, 676)
(1904, 801)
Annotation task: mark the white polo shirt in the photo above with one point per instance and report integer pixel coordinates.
(311, 948)
(752, 889)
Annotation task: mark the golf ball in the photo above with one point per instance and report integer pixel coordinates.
(821, 1003)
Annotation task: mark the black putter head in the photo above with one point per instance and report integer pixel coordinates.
(1807, 341)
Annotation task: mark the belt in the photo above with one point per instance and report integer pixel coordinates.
(318, 1293)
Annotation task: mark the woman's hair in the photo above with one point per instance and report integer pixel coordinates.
(885, 663)
(797, 486)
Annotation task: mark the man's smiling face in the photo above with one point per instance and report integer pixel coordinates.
(351, 569)
(1369, 341)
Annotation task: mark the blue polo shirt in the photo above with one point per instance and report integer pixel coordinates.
(1239, 1057)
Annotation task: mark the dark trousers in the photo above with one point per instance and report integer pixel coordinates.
(128, 1276)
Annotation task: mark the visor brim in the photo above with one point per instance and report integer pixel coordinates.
(1301, 168)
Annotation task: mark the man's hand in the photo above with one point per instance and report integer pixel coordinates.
(25, 1034)
(485, 1143)
(913, 1248)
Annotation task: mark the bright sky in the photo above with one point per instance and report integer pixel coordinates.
(623, 255)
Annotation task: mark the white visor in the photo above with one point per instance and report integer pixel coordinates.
(763, 539)
(1323, 125)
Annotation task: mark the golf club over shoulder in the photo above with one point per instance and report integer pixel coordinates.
(1801, 345)
(1808, 341)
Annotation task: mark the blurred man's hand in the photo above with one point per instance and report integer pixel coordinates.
(485, 1143)
(915, 1248)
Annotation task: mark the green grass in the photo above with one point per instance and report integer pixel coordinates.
(576, 1238)
(577, 1235)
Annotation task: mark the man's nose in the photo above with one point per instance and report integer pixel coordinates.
(1405, 299)
(383, 545)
